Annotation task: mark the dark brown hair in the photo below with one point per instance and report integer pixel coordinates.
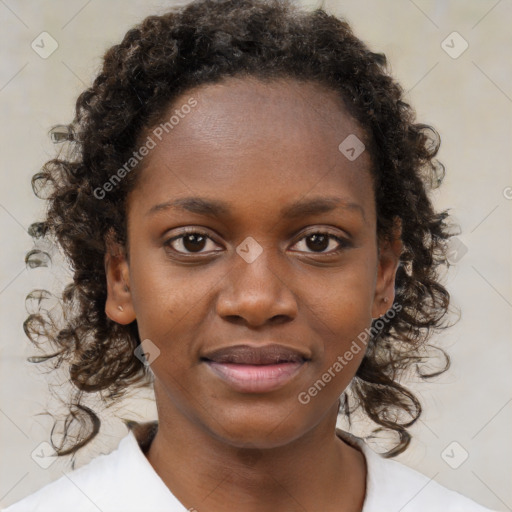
(205, 42)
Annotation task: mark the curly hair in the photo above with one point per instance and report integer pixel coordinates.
(204, 42)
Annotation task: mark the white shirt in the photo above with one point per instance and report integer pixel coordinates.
(125, 481)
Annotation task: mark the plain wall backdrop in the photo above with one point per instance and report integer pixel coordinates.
(466, 93)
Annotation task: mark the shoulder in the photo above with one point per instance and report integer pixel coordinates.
(394, 486)
(78, 490)
(122, 480)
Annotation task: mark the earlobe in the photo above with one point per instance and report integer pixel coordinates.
(118, 306)
(385, 300)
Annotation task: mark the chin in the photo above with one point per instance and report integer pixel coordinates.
(258, 428)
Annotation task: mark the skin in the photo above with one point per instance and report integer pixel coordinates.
(258, 147)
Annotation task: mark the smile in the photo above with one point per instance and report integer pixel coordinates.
(255, 369)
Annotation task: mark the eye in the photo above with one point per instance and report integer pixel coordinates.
(191, 242)
(319, 241)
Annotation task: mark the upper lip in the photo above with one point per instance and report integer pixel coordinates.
(247, 354)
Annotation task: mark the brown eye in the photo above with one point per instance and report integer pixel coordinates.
(190, 243)
(318, 242)
(194, 242)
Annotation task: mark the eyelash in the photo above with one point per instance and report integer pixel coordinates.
(343, 244)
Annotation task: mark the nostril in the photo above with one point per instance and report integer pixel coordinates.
(279, 319)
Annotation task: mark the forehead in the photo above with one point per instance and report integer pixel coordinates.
(255, 143)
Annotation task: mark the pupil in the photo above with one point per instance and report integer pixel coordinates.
(193, 242)
(319, 242)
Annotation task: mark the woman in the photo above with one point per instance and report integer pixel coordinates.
(248, 220)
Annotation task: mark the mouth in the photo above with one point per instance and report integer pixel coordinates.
(249, 369)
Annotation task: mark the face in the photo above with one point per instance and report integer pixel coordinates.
(253, 260)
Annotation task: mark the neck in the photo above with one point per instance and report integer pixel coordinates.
(316, 471)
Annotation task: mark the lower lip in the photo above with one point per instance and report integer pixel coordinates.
(249, 378)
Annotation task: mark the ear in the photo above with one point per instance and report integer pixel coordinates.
(389, 258)
(119, 306)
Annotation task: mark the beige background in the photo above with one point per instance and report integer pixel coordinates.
(468, 99)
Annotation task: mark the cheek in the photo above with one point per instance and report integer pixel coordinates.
(168, 303)
(342, 300)
(340, 312)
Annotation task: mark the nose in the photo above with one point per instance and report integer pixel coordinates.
(256, 293)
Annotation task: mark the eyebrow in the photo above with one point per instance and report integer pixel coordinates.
(216, 208)
(318, 205)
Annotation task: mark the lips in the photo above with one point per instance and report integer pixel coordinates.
(250, 369)
(245, 354)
